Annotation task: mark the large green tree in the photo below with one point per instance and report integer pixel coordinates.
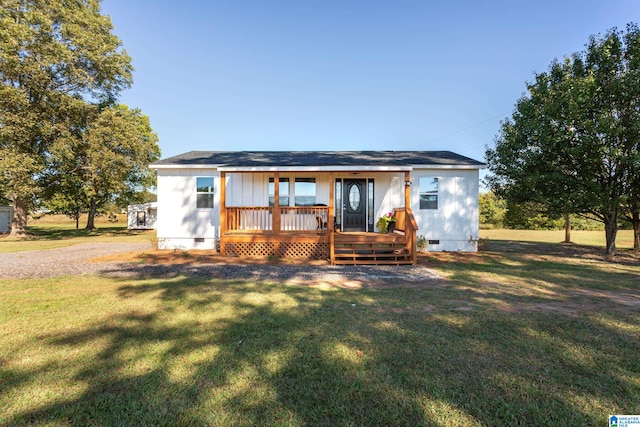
(54, 54)
(629, 114)
(120, 145)
(62, 183)
(568, 143)
(631, 209)
(104, 160)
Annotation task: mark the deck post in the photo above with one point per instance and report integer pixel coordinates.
(223, 207)
(330, 216)
(275, 217)
(407, 191)
(410, 232)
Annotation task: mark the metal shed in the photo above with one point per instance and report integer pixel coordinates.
(6, 214)
(142, 216)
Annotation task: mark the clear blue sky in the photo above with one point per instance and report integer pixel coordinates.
(344, 75)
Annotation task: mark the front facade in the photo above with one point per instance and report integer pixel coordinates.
(298, 204)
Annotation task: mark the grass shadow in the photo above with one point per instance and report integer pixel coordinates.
(58, 233)
(204, 351)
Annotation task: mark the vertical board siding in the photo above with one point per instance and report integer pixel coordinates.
(456, 220)
(177, 213)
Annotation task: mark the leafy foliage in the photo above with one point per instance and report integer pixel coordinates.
(57, 57)
(107, 161)
(496, 212)
(384, 221)
(571, 144)
(492, 210)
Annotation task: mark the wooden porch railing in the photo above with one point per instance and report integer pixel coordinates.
(407, 223)
(249, 218)
(259, 219)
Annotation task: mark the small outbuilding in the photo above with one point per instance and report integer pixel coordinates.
(142, 216)
(6, 214)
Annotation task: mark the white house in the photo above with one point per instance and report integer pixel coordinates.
(328, 203)
(6, 215)
(142, 216)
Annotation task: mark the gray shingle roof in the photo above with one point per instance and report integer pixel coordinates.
(317, 158)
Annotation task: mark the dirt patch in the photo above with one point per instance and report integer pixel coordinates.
(200, 256)
(497, 249)
(618, 298)
(489, 251)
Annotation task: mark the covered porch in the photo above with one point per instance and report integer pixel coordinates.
(311, 231)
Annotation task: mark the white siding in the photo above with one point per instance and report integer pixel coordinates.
(247, 189)
(455, 222)
(388, 193)
(180, 224)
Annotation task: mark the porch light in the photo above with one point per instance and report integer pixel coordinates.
(407, 183)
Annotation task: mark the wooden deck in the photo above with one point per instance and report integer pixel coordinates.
(355, 248)
(309, 232)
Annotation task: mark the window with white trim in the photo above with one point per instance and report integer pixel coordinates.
(204, 192)
(428, 193)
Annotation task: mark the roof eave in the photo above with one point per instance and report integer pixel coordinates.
(224, 168)
(315, 168)
(455, 166)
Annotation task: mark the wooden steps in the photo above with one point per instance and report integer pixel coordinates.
(371, 249)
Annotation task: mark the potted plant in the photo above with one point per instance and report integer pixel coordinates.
(421, 244)
(386, 223)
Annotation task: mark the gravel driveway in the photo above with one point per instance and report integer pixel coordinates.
(75, 260)
(69, 260)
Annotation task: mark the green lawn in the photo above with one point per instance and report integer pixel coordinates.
(624, 239)
(519, 334)
(58, 231)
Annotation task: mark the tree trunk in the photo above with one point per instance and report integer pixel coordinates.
(611, 230)
(19, 220)
(92, 215)
(635, 220)
(567, 228)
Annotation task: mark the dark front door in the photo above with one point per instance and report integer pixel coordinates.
(355, 209)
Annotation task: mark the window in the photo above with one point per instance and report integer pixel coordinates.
(284, 192)
(428, 193)
(204, 192)
(305, 191)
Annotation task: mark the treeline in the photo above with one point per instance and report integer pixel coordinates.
(498, 213)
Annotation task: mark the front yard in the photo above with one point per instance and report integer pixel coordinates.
(519, 334)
